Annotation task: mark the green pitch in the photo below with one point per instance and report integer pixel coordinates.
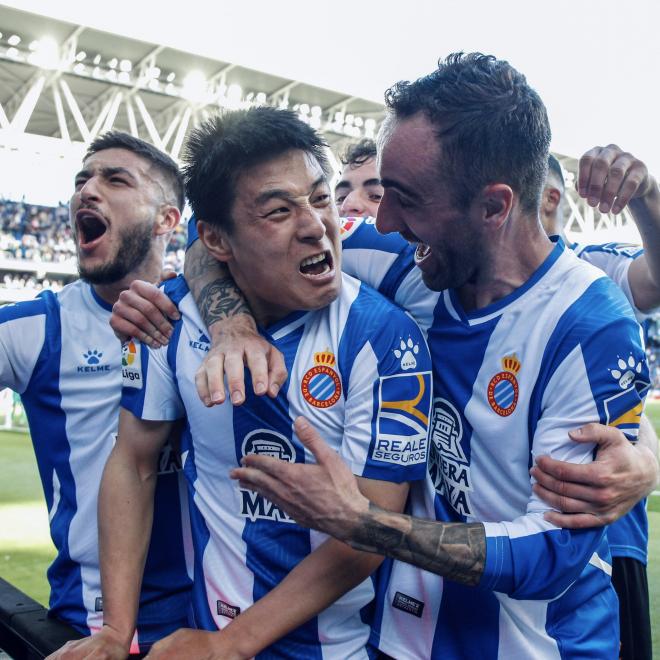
(26, 549)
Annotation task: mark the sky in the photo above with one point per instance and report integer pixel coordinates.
(595, 64)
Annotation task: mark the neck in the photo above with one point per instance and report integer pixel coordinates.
(150, 271)
(512, 254)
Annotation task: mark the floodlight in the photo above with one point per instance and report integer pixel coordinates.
(194, 86)
(349, 120)
(12, 52)
(79, 68)
(97, 60)
(170, 77)
(124, 77)
(34, 45)
(125, 66)
(154, 85)
(46, 54)
(316, 111)
(304, 109)
(261, 97)
(113, 63)
(370, 124)
(234, 93)
(153, 72)
(358, 122)
(14, 40)
(80, 56)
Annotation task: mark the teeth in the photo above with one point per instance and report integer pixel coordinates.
(313, 260)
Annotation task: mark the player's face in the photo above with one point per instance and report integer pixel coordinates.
(359, 192)
(449, 241)
(285, 251)
(113, 210)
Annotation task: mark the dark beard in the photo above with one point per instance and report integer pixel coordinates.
(134, 247)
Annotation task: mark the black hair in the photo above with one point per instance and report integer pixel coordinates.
(157, 158)
(491, 125)
(226, 145)
(359, 153)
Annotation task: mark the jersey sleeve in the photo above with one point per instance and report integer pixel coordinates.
(22, 340)
(389, 395)
(149, 390)
(601, 378)
(614, 259)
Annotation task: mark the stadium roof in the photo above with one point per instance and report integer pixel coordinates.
(157, 90)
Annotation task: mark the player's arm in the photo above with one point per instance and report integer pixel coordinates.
(610, 179)
(319, 580)
(326, 496)
(143, 311)
(126, 501)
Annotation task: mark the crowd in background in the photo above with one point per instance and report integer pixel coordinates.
(41, 233)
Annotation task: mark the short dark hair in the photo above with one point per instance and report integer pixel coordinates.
(157, 158)
(555, 168)
(492, 125)
(226, 145)
(359, 153)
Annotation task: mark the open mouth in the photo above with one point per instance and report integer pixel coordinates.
(422, 251)
(317, 265)
(90, 226)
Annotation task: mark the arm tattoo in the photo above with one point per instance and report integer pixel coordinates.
(221, 299)
(454, 550)
(200, 266)
(213, 288)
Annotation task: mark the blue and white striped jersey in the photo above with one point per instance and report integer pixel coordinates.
(360, 371)
(59, 352)
(628, 536)
(510, 381)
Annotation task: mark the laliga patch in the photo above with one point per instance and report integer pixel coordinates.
(131, 364)
(502, 389)
(408, 604)
(225, 609)
(404, 407)
(98, 604)
(321, 386)
(348, 226)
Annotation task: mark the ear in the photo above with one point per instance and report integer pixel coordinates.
(168, 219)
(550, 200)
(496, 201)
(215, 241)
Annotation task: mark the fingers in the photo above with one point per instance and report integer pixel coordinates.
(277, 372)
(555, 491)
(601, 435)
(551, 471)
(313, 441)
(609, 178)
(214, 370)
(141, 312)
(574, 520)
(234, 371)
(258, 367)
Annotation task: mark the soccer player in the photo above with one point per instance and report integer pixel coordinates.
(633, 271)
(528, 344)
(258, 182)
(358, 192)
(60, 354)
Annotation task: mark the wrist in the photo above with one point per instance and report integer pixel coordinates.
(237, 324)
(121, 635)
(648, 200)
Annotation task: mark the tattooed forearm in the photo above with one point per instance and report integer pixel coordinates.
(454, 550)
(221, 299)
(213, 288)
(200, 267)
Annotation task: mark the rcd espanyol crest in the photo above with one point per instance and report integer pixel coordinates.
(503, 387)
(321, 386)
